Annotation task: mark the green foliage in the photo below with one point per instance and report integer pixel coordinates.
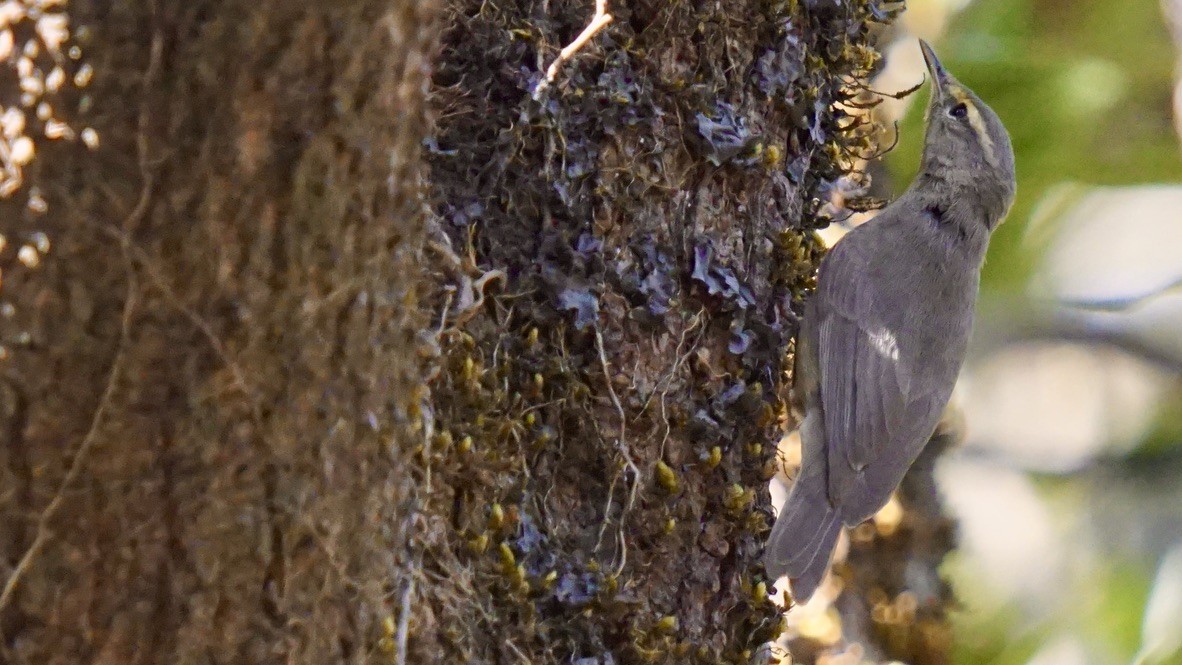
(1083, 89)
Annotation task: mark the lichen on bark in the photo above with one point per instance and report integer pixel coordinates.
(501, 387)
(627, 254)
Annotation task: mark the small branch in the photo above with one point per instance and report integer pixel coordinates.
(1121, 303)
(402, 635)
(883, 151)
(907, 92)
(598, 21)
(76, 465)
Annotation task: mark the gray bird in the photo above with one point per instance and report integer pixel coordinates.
(884, 336)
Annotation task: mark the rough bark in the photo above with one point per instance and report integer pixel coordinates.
(270, 404)
(630, 249)
(204, 436)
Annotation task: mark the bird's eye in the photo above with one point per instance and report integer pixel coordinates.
(959, 111)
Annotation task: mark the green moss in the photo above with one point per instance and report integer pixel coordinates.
(653, 212)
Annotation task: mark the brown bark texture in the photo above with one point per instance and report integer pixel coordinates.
(355, 346)
(205, 429)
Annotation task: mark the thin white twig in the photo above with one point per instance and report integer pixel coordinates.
(402, 636)
(624, 450)
(598, 21)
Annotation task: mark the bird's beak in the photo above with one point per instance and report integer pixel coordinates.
(939, 74)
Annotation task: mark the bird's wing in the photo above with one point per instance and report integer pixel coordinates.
(876, 409)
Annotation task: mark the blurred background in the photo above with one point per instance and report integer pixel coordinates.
(1069, 485)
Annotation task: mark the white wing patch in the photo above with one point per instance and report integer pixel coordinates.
(884, 343)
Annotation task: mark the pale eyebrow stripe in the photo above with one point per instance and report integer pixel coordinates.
(977, 123)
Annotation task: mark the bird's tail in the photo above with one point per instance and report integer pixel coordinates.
(804, 535)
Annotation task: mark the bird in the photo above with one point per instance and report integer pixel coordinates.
(884, 335)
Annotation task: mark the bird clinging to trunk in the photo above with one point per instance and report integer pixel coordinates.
(884, 336)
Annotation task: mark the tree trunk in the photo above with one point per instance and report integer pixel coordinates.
(206, 435)
(641, 231)
(271, 400)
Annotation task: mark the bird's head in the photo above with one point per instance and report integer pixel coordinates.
(966, 145)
